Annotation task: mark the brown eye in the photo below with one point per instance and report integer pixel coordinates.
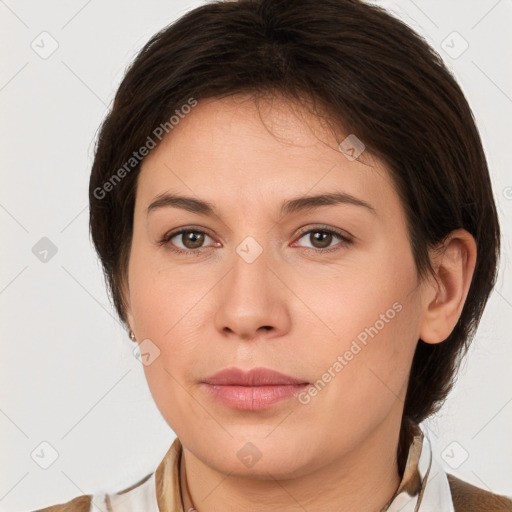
(185, 241)
(322, 240)
(192, 239)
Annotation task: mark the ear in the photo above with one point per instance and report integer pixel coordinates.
(454, 263)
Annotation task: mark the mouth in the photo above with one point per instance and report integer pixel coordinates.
(256, 389)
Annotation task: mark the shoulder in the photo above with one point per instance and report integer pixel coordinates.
(158, 490)
(104, 501)
(78, 504)
(469, 498)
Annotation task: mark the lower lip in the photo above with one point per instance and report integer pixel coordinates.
(253, 398)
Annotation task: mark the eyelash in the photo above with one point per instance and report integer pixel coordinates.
(345, 240)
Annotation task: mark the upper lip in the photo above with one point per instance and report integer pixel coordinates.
(253, 377)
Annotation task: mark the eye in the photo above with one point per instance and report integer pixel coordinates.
(321, 239)
(191, 241)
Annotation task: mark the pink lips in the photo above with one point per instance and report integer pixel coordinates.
(256, 389)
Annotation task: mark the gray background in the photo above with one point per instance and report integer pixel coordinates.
(68, 374)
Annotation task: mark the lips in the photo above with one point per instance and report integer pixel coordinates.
(253, 390)
(253, 377)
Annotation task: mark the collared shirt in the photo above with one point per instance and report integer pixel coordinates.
(424, 486)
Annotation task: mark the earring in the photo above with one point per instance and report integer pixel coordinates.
(132, 335)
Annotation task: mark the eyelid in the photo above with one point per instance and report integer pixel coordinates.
(183, 229)
(340, 232)
(345, 237)
(166, 238)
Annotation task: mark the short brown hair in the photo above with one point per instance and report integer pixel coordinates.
(379, 80)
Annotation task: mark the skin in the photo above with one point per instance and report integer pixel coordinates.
(293, 309)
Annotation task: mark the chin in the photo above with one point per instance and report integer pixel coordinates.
(260, 458)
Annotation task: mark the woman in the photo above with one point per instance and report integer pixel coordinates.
(293, 210)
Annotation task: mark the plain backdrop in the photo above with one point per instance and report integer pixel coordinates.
(73, 397)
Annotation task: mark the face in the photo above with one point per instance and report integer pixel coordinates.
(325, 292)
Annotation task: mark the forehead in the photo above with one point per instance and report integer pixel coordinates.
(276, 123)
(238, 150)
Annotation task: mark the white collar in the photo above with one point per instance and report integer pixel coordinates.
(433, 494)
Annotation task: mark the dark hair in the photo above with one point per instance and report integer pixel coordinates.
(378, 80)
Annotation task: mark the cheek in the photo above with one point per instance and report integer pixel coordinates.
(166, 303)
(373, 300)
(361, 382)
(165, 299)
(374, 313)
(166, 311)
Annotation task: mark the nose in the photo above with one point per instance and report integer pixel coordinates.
(252, 300)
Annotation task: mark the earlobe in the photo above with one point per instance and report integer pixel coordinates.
(129, 319)
(454, 263)
(127, 306)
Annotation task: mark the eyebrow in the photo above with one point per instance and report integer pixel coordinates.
(288, 207)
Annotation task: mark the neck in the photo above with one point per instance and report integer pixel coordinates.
(363, 480)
